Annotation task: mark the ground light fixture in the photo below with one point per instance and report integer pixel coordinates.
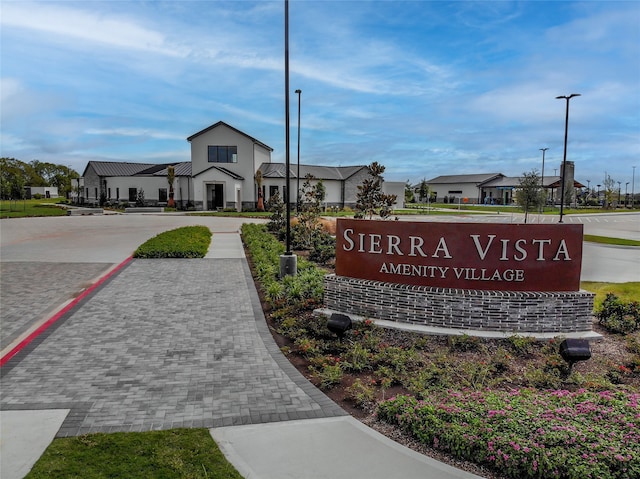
(573, 350)
(339, 324)
(564, 160)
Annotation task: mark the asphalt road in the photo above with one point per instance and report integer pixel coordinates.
(112, 238)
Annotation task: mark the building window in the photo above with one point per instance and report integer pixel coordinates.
(109, 193)
(118, 194)
(223, 154)
(162, 195)
(133, 193)
(96, 189)
(455, 192)
(273, 190)
(87, 192)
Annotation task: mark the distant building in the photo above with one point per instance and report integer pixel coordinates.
(492, 188)
(43, 191)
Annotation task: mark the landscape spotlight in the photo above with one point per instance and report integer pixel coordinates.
(339, 324)
(574, 350)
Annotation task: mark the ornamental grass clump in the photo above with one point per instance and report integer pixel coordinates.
(186, 242)
(529, 433)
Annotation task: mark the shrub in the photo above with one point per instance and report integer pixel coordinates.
(186, 242)
(618, 316)
(361, 394)
(527, 433)
(464, 343)
(330, 375)
(521, 345)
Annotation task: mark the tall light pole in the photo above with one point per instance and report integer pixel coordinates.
(544, 193)
(619, 188)
(633, 182)
(626, 193)
(299, 92)
(564, 160)
(288, 261)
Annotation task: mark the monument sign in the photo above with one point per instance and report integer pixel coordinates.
(471, 256)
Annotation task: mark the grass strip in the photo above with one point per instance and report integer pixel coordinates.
(30, 208)
(608, 240)
(188, 453)
(624, 291)
(186, 242)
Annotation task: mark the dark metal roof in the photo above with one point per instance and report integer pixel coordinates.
(222, 123)
(514, 182)
(180, 169)
(278, 170)
(476, 178)
(122, 168)
(116, 168)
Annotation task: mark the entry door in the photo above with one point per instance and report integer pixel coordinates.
(217, 196)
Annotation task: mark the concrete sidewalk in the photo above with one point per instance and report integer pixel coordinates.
(184, 343)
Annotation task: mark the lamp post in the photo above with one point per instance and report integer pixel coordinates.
(299, 92)
(633, 182)
(543, 150)
(288, 261)
(626, 193)
(598, 198)
(619, 188)
(564, 160)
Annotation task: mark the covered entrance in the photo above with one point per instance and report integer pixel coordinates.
(215, 196)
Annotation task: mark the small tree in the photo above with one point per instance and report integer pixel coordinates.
(171, 176)
(259, 184)
(528, 194)
(409, 196)
(424, 190)
(277, 221)
(370, 198)
(609, 187)
(308, 227)
(140, 197)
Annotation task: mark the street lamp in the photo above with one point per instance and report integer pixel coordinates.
(299, 92)
(626, 193)
(542, 181)
(633, 182)
(619, 187)
(564, 160)
(288, 261)
(598, 198)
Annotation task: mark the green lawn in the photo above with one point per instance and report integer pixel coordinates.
(179, 453)
(624, 291)
(607, 240)
(27, 208)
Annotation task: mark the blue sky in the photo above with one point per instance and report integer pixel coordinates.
(425, 88)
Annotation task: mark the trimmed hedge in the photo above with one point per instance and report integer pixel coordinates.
(186, 242)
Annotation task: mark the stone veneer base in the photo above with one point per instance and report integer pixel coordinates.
(512, 312)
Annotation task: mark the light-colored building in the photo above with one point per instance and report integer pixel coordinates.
(221, 175)
(455, 188)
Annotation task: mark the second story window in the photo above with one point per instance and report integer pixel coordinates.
(223, 154)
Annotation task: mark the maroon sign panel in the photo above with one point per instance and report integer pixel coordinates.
(514, 257)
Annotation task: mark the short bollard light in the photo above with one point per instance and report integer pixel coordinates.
(574, 350)
(339, 324)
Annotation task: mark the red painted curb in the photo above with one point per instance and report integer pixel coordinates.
(44, 326)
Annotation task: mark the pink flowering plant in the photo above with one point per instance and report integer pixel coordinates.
(528, 433)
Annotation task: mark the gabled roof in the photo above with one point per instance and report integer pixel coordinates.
(116, 168)
(278, 170)
(221, 169)
(222, 123)
(514, 182)
(476, 178)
